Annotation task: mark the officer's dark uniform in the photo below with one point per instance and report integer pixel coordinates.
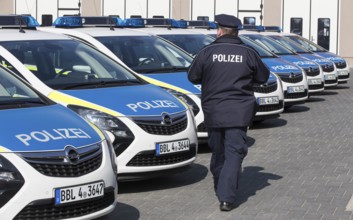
(227, 70)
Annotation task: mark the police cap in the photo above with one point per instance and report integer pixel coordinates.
(228, 21)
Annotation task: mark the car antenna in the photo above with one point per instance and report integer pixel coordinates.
(111, 23)
(21, 22)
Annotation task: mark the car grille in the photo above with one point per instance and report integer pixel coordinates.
(314, 87)
(155, 125)
(295, 95)
(50, 211)
(265, 89)
(270, 108)
(312, 71)
(343, 76)
(149, 158)
(291, 78)
(55, 163)
(341, 65)
(331, 81)
(328, 68)
(201, 128)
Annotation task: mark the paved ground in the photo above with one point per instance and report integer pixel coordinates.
(299, 166)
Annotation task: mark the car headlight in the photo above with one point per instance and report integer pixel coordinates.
(186, 99)
(11, 181)
(123, 135)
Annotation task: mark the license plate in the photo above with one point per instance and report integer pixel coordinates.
(342, 72)
(314, 81)
(77, 193)
(295, 89)
(172, 147)
(268, 100)
(330, 77)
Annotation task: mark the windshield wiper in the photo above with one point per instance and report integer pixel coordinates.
(21, 103)
(100, 84)
(168, 69)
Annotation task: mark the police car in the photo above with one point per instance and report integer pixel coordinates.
(312, 70)
(295, 88)
(340, 63)
(53, 164)
(152, 131)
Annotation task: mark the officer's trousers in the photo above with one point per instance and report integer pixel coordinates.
(229, 148)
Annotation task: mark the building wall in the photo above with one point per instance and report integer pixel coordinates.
(91, 7)
(7, 6)
(180, 9)
(272, 13)
(346, 31)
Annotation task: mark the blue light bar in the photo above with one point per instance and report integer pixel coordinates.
(68, 21)
(134, 22)
(273, 28)
(18, 20)
(258, 28)
(79, 21)
(166, 22)
(202, 24)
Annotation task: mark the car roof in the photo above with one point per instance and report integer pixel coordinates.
(15, 35)
(105, 31)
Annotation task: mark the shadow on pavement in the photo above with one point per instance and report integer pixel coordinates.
(338, 87)
(251, 181)
(330, 92)
(296, 109)
(122, 211)
(315, 99)
(270, 123)
(196, 173)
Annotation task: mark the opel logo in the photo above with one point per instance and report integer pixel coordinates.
(166, 119)
(71, 155)
(310, 69)
(291, 75)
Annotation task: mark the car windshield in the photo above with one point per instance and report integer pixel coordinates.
(264, 53)
(290, 44)
(270, 44)
(68, 64)
(191, 43)
(307, 44)
(16, 94)
(147, 54)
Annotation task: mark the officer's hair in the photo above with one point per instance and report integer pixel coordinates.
(231, 31)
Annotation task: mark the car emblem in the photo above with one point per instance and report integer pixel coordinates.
(291, 75)
(71, 155)
(166, 119)
(310, 69)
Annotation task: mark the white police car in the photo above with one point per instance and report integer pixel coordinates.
(340, 63)
(312, 70)
(152, 131)
(53, 164)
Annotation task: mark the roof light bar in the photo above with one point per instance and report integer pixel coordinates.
(18, 21)
(202, 24)
(258, 28)
(159, 22)
(79, 21)
(273, 28)
(134, 22)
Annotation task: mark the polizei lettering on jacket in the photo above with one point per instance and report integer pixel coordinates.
(52, 135)
(152, 104)
(227, 58)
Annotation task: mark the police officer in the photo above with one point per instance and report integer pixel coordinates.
(227, 70)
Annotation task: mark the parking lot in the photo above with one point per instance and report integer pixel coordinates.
(299, 166)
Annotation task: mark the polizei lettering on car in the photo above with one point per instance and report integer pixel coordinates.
(152, 104)
(227, 58)
(52, 135)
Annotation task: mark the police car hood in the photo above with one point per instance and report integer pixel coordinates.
(318, 59)
(300, 61)
(48, 128)
(179, 79)
(331, 56)
(141, 100)
(278, 65)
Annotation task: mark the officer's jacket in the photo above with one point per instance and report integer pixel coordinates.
(227, 70)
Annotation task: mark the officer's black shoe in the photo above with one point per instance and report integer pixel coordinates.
(226, 206)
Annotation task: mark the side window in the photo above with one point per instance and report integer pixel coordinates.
(296, 26)
(323, 33)
(249, 21)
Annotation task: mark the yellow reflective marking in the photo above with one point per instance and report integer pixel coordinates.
(163, 84)
(2, 149)
(31, 67)
(101, 135)
(67, 99)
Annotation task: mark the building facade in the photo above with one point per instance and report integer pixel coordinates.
(326, 22)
